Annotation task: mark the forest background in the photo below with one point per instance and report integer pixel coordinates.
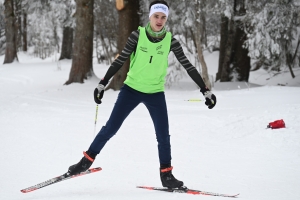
(249, 35)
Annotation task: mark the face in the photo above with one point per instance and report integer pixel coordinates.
(158, 21)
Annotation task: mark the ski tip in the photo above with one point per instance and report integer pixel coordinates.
(27, 190)
(96, 169)
(145, 187)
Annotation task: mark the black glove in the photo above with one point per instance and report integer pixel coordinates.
(210, 98)
(99, 91)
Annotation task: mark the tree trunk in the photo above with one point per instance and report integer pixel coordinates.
(198, 34)
(128, 22)
(82, 63)
(24, 32)
(289, 63)
(241, 60)
(223, 42)
(227, 57)
(56, 38)
(205, 76)
(290, 58)
(18, 24)
(105, 48)
(67, 43)
(11, 48)
(203, 23)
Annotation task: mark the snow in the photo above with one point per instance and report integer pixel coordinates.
(46, 125)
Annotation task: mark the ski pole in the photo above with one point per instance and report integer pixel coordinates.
(96, 119)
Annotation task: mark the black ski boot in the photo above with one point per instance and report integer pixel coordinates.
(167, 178)
(83, 165)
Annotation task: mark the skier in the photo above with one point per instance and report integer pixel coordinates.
(148, 48)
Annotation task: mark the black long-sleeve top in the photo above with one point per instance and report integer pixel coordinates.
(131, 45)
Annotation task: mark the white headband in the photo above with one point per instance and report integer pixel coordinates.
(159, 8)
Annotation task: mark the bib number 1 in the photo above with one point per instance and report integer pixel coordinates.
(150, 59)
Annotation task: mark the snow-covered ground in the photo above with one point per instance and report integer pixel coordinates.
(46, 125)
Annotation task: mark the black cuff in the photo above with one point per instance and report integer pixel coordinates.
(164, 166)
(103, 82)
(203, 90)
(90, 154)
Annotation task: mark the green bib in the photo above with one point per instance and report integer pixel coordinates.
(148, 66)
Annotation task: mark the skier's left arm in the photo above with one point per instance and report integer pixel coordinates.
(210, 98)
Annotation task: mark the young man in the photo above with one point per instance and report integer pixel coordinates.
(148, 48)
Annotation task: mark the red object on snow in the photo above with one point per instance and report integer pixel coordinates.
(277, 124)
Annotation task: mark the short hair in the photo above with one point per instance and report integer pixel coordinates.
(158, 1)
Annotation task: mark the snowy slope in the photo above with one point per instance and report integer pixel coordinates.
(45, 126)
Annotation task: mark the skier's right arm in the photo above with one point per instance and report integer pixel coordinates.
(130, 46)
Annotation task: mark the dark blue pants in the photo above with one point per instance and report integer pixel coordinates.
(127, 100)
